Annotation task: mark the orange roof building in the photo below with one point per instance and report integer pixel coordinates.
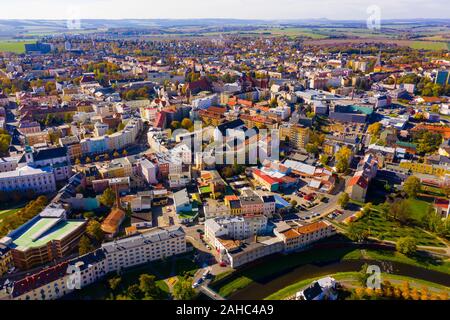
(299, 236)
(113, 221)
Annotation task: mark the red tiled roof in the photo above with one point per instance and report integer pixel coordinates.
(360, 181)
(39, 279)
(266, 177)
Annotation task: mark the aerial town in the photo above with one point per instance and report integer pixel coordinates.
(206, 166)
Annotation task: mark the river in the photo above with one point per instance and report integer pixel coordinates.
(262, 289)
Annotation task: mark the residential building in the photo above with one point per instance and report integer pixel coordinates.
(159, 243)
(181, 201)
(235, 228)
(72, 143)
(296, 236)
(40, 180)
(6, 260)
(299, 137)
(148, 171)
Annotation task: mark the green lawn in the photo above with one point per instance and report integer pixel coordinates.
(13, 46)
(429, 45)
(419, 208)
(390, 230)
(420, 261)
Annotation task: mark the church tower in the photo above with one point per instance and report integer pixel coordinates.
(29, 155)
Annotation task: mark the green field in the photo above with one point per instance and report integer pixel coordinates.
(430, 45)
(13, 46)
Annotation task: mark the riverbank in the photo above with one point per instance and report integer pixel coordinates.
(284, 270)
(350, 279)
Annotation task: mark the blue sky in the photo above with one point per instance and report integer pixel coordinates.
(239, 9)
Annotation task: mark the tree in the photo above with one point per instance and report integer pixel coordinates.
(175, 125)
(54, 136)
(324, 159)
(5, 141)
(147, 285)
(182, 290)
(97, 158)
(367, 208)
(363, 275)
(406, 290)
(33, 208)
(186, 123)
(94, 230)
(424, 293)
(273, 103)
(407, 246)
(374, 128)
(293, 203)
(412, 186)
(106, 156)
(77, 161)
(134, 292)
(357, 234)
(121, 126)
(343, 200)
(227, 172)
(343, 159)
(400, 211)
(124, 152)
(85, 246)
(427, 142)
(312, 149)
(116, 154)
(108, 198)
(88, 160)
(114, 283)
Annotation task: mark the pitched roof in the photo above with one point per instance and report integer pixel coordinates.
(360, 181)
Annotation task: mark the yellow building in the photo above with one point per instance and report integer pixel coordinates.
(234, 204)
(299, 137)
(117, 168)
(425, 168)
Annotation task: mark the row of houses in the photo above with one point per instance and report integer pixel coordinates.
(64, 278)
